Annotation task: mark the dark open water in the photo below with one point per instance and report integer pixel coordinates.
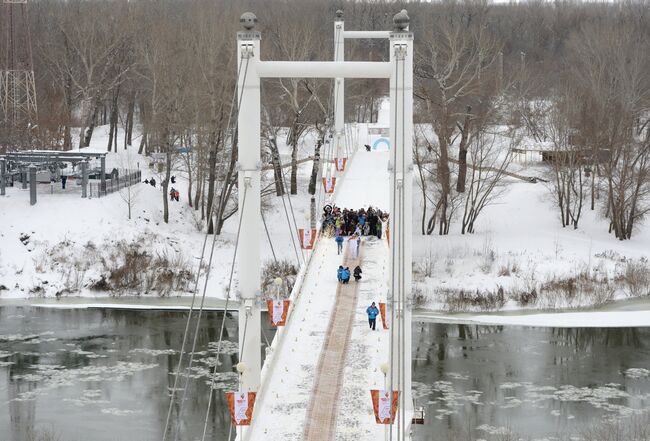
(105, 375)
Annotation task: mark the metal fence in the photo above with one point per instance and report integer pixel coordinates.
(119, 180)
(123, 179)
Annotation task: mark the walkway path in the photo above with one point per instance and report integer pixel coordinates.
(322, 413)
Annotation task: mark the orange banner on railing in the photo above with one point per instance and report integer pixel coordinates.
(340, 163)
(307, 238)
(382, 312)
(385, 408)
(329, 184)
(278, 310)
(241, 407)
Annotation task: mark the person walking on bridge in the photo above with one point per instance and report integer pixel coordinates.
(372, 312)
(354, 242)
(357, 273)
(339, 242)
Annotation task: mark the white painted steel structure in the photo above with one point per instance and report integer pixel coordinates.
(399, 71)
(340, 35)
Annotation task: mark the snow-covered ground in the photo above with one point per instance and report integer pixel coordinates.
(591, 319)
(65, 243)
(520, 245)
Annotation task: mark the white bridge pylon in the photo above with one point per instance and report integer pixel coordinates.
(399, 72)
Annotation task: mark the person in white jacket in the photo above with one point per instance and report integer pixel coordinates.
(354, 242)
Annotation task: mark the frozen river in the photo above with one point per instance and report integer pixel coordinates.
(509, 382)
(105, 375)
(95, 375)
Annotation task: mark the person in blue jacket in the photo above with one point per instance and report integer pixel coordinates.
(339, 273)
(339, 242)
(372, 312)
(345, 275)
(361, 223)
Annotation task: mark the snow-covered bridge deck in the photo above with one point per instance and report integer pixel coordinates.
(354, 352)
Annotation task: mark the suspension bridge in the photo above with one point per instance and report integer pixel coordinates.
(324, 361)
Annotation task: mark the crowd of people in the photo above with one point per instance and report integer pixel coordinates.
(353, 224)
(350, 222)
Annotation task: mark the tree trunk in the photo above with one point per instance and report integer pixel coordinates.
(67, 133)
(128, 130)
(142, 149)
(315, 166)
(294, 161)
(462, 153)
(444, 180)
(212, 166)
(277, 167)
(199, 187)
(229, 183)
(112, 135)
(91, 125)
(165, 183)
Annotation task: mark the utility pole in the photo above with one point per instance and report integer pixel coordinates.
(18, 111)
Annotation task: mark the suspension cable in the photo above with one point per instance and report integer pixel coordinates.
(393, 249)
(286, 213)
(293, 216)
(205, 287)
(275, 259)
(223, 320)
(198, 276)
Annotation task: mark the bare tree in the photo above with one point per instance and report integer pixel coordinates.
(449, 62)
(568, 162)
(491, 159)
(129, 193)
(612, 77)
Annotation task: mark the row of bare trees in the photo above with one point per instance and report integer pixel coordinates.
(584, 92)
(599, 124)
(573, 75)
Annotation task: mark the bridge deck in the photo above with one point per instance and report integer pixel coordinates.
(282, 413)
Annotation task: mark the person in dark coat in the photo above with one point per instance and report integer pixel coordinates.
(372, 312)
(367, 146)
(152, 181)
(357, 273)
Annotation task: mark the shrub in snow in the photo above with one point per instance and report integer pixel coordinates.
(282, 269)
(136, 271)
(458, 300)
(637, 278)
